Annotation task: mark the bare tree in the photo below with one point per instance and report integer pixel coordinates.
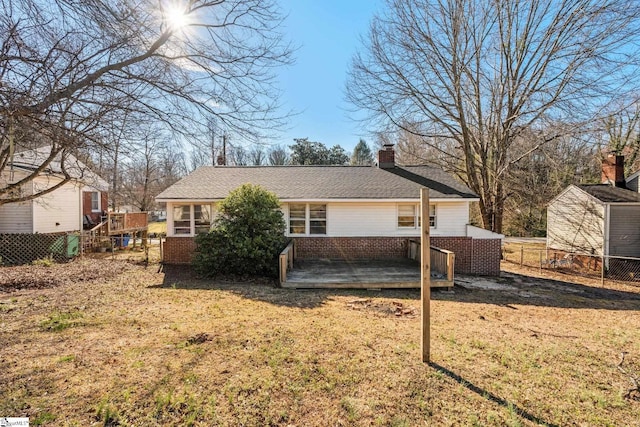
(277, 156)
(623, 136)
(69, 68)
(237, 155)
(470, 76)
(257, 156)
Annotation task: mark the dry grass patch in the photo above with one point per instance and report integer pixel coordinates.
(147, 348)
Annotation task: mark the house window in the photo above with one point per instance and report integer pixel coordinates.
(307, 218)
(202, 218)
(95, 201)
(189, 220)
(317, 219)
(409, 216)
(432, 216)
(182, 219)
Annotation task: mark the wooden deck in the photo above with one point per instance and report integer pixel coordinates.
(358, 274)
(114, 227)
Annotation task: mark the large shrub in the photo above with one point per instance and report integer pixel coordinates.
(246, 237)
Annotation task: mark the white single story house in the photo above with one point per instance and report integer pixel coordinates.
(81, 200)
(340, 212)
(597, 219)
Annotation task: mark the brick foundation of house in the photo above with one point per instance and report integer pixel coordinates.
(178, 250)
(473, 256)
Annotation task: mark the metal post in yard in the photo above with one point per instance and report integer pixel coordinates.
(425, 276)
(521, 255)
(602, 271)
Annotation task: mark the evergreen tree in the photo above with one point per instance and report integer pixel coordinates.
(362, 155)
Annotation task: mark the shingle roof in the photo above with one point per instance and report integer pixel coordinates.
(319, 182)
(610, 194)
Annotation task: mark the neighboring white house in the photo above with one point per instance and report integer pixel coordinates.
(597, 219)
(340, 211)
(84, 197)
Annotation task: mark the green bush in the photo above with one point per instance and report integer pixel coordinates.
(246, 237)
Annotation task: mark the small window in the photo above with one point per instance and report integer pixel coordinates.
(297, 218)
(432, 216)
(317, 219)
(202, 218)
(95, 201)
(182, 219)
(407, 216)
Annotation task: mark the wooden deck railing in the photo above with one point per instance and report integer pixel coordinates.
(124, 222)
(285, 261)
(442, 260)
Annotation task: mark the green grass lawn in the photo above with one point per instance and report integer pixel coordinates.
(164, 349)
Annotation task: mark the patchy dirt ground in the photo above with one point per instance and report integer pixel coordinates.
(110, 342)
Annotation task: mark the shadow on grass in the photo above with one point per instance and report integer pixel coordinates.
(490, 396)
(509, 291)
(265, 290)
(517, 289)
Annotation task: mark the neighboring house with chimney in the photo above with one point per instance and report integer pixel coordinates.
(75, 205)
(340, 212)
(598, 219)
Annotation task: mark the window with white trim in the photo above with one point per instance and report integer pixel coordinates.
(182, 220)
(409, 215)
(95, 201)
(307, 219)
(202, 218)
(192, 219)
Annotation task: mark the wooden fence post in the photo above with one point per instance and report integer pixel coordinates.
(425, 279)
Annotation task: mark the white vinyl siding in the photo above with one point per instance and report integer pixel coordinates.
(575, 222)
(16, 218)
(58, 211)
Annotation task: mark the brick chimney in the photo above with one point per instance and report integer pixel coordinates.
(613, 171)
(386, 157)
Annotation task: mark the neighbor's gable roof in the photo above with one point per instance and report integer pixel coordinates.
(319, 183)
(610, 194)
(32, 159)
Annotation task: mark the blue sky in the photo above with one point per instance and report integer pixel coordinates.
(328, 34)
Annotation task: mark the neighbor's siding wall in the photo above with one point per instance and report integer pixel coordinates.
(575, 223)
(61, 206)
(17, 217)
(624, 231)
(633, 184)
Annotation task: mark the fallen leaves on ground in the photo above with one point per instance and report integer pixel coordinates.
(42, 277)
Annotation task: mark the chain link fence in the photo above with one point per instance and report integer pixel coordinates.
(18, 249)
(613, 268)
